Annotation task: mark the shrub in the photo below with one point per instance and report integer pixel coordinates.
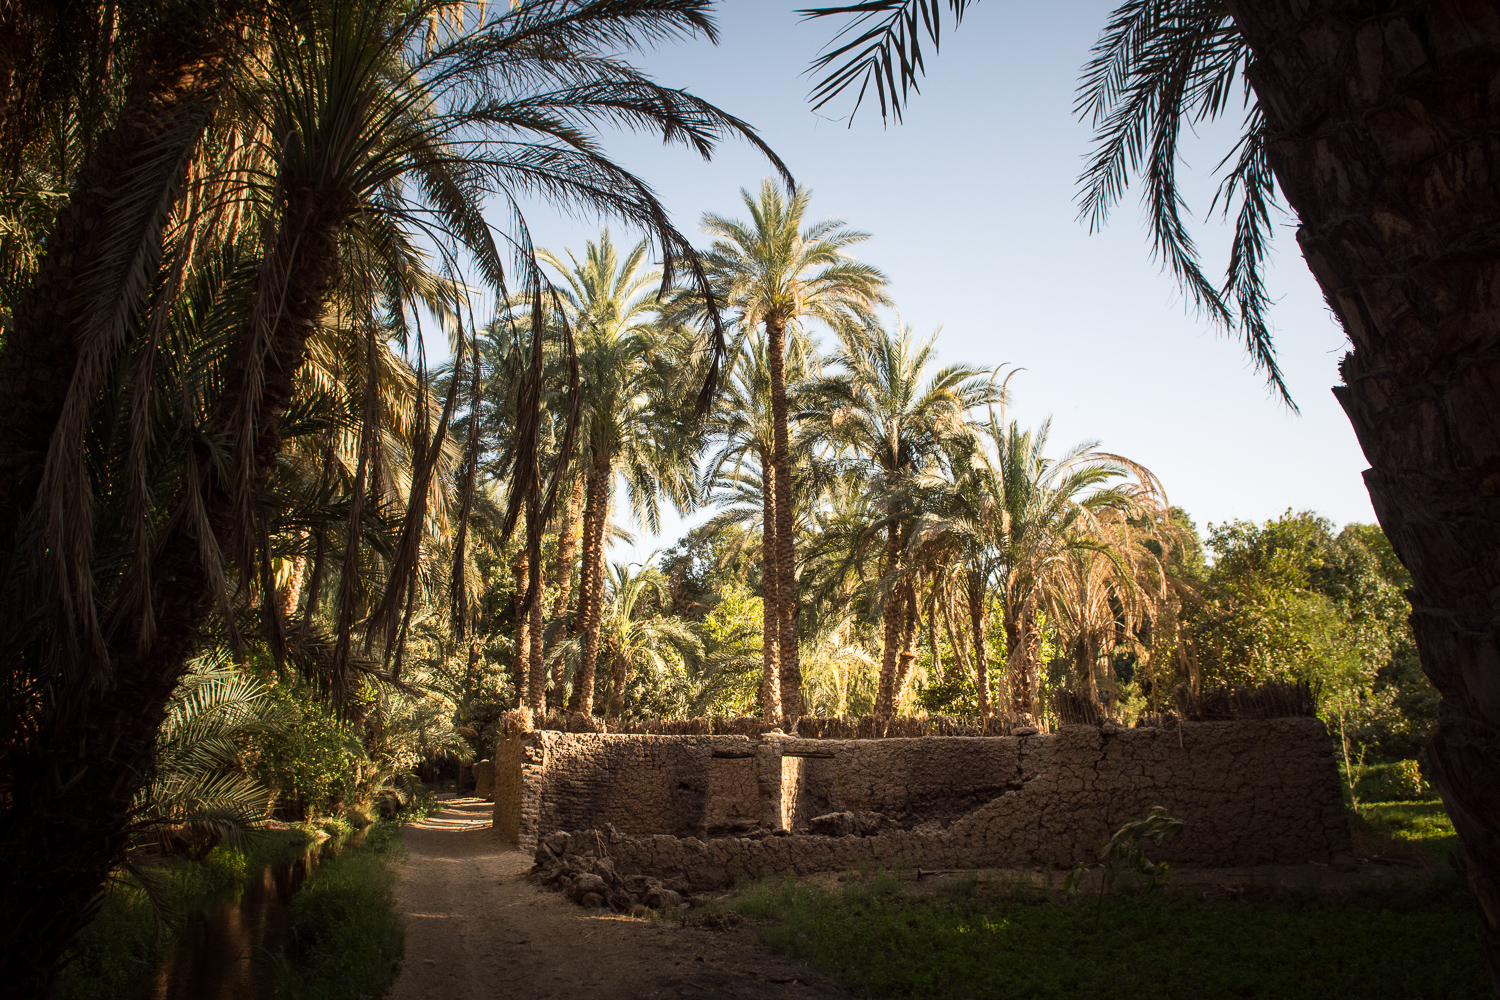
(1398, 782)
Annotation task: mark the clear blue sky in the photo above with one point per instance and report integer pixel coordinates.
(970, 204)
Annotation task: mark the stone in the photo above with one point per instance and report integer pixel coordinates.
(586, 883)
(849, 824)
(661, 899)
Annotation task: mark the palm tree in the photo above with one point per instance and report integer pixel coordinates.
(631, 423)
(1379, 223)
(637, 636)
(776, 274)
(742, 470)
(351, 125)
(896, 418)
(200, 787)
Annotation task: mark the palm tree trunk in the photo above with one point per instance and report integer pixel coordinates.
(892, 618)
(787, 650)
(72, 779)
(292, 595)
(591, 599)
(938, 673)
(981, 654)
(520, 570)
(562, 581)
(535, 671)
(1385, 142)
(1021, 648)
(911, 627)
(620, 674)
(770, 679)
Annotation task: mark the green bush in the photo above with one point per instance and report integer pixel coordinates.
(312, 763)
(346, 938)
(1401, 781)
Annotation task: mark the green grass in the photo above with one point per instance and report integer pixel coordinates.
(347, 939)
(1423, 823)
(887, 943)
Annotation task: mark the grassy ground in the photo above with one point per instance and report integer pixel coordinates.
(1422, 824)
(972, 939)
(347, 939)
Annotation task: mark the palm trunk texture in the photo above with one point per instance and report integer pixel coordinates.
(73, 781)
(770, 678)
(891, 622)
(591, 595)
(787, 651)
(520, 572)
(1384, 139)
(562, 581)
(1022, 641)
(981, 654)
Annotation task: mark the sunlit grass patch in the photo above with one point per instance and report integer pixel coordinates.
(1425, 822)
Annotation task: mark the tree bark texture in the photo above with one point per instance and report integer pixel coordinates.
(520, 571)
(770, 677)
(73, 782)
(591, 594)
(892, 619)
(787, 651)
(1022, 644)
(536, 672)
(981, 654)
(620, 674)
(562, 582)
(1385, 139)
(911, 627)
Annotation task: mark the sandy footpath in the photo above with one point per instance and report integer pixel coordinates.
(475, 928)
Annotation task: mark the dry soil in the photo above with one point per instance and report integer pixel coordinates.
(475, 928)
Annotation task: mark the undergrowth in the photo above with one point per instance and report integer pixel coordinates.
(346, 937)
(967, 942)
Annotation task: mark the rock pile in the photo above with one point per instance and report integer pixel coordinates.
(591, 880)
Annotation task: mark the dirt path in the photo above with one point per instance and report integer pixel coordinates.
(476, 928)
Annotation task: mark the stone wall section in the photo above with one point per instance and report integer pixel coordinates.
(711, 809)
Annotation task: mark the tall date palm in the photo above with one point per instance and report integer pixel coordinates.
(339, 120)
(774, 272)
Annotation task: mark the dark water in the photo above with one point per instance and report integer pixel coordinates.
(232, 948)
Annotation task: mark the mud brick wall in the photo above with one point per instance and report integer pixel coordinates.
(713, 809)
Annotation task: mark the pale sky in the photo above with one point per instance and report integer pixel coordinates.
(970, 204)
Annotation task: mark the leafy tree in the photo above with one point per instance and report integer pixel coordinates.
(639, 639)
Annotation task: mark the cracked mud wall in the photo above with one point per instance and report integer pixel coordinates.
(712, 809)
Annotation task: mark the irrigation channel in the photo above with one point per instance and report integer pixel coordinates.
(232, 947)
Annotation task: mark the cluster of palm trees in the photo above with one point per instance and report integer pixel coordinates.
(874, 490)
(223, 228)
